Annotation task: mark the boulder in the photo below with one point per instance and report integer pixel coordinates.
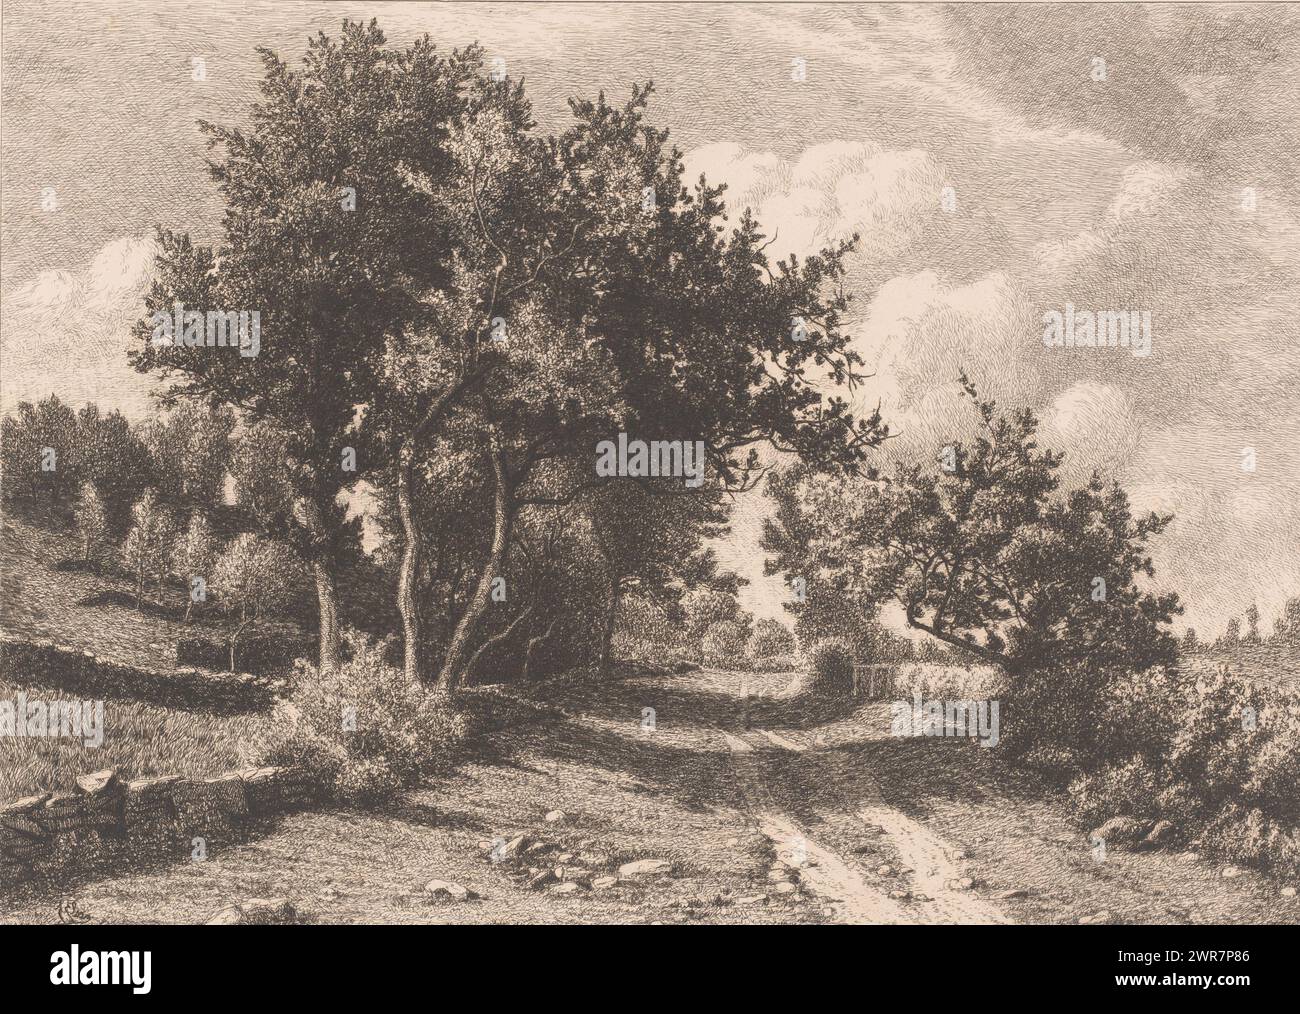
(1164, 833)
(447, 890)
(149, 802)
(556, 817)
(603, 883)
(645, 868)
(1120, 833)
(103, 796)
(540, 879)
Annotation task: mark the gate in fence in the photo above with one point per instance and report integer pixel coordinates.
(873, 681)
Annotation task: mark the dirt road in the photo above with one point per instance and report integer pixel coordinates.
(758, 813)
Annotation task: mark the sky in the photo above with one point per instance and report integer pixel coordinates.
(997, 161)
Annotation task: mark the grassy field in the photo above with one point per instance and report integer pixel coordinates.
(39, 601)
(138, 739)
(94, 612)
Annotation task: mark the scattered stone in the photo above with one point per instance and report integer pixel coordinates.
(959, 855)
(732, 842)
(900, 895)
(556, 817)
(594, 858)
(538, 847)
(1161, 835)
(515, 846)
(778, 876)
(645, 868)
(964, 884)
(751, 899)
(1188, 857)
(446, 890)
(564, 857)
(540, 879)
(1014, 893)
(1230, 873)
(885, 871)
(568, 887)
(1102, 918)
(1288, 892)
(785, 887)
(231, 916)
(1120, 833)
(603, 883)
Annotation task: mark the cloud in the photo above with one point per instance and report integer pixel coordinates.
(67, 333)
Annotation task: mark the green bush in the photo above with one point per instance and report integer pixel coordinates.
(365, 730)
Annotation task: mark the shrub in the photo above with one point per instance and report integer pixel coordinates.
(1055, 709)
(1217, 745)
(770, 638)
(1218, 756)
(1251, 836)
(400, 731)
(724, 644)
(1141, 714)
(830, 667)
(1129, 789)
(948, 682)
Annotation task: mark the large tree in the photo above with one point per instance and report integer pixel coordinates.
(326, 239)
(531, 293)
(593, 293)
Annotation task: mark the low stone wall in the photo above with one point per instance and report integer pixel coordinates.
(146, 816)
(46, 664)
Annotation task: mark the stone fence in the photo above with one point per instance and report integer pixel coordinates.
(146, 817)
(46, 664)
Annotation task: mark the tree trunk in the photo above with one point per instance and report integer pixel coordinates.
(533, 644)
(408, 601)
(328, 597)
(498, 638)
(607, 633)
(453, 665)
